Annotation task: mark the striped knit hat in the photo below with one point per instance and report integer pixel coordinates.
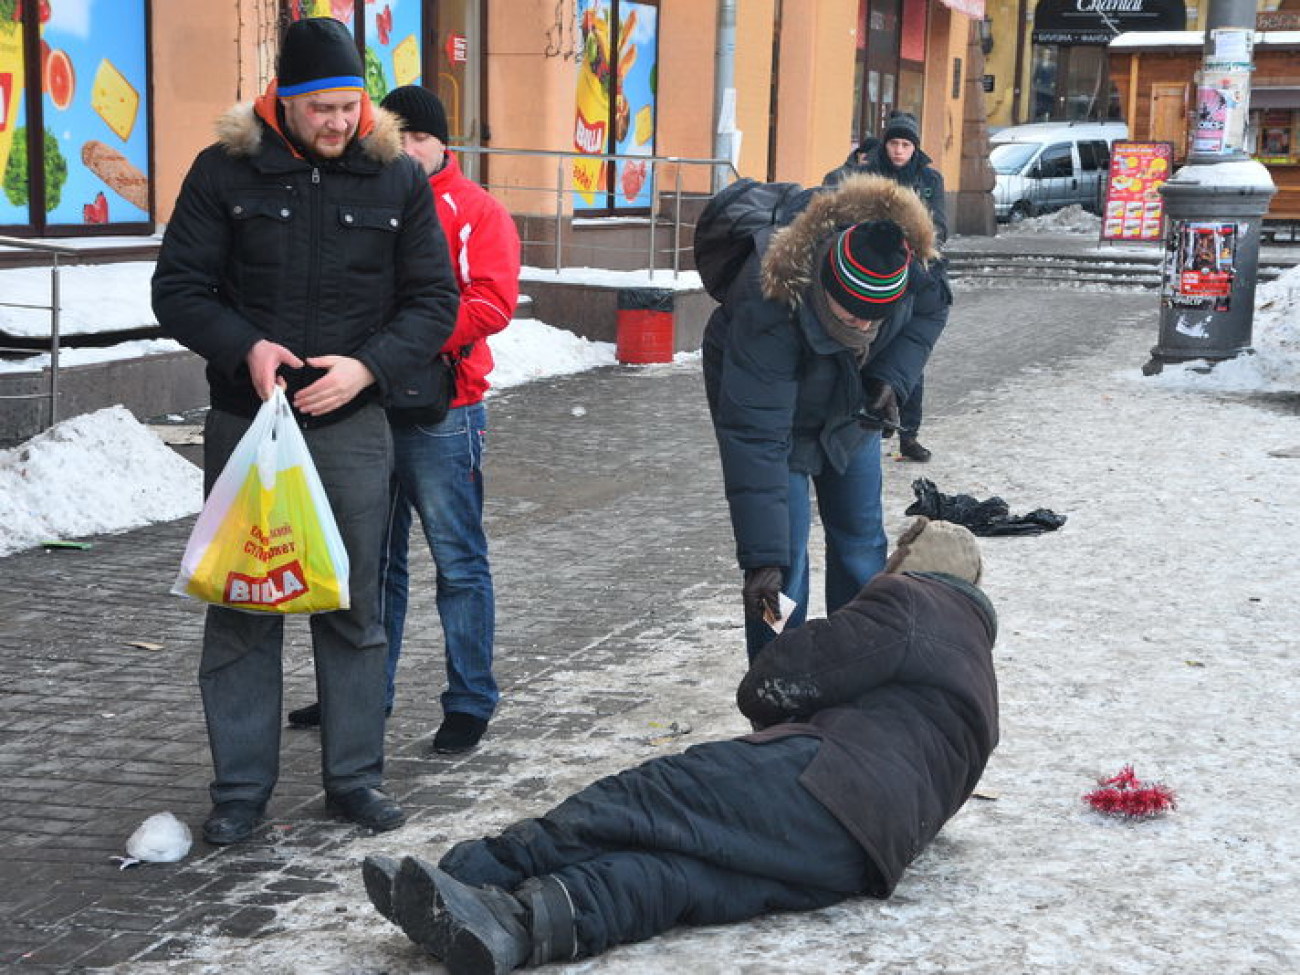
(866, 268)
(318, 54)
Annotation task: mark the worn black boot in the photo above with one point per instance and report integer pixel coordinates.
(911, 448)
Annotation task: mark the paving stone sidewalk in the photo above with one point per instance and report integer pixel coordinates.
(606, 509)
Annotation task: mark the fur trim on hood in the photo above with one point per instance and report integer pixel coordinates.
(240, 134)
(788, 263)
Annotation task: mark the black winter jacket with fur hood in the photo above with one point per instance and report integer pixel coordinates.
(782, 393)
(341, 257)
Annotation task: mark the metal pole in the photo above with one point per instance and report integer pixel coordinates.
(54, 341)
(654, 212)
(1214, 206)
(559, 208)
(677, 224)
(724, 88)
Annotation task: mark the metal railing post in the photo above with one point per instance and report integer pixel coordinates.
(677, 224)
(654, 210)
(559, 211)
(54, 341)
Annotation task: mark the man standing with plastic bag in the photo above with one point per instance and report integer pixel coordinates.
(304, 251)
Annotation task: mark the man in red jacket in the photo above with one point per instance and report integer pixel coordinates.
(438, 468)
(875, 726)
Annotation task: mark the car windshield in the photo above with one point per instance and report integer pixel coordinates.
(1010, 157)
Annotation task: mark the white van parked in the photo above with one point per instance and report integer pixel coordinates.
(1045, 166)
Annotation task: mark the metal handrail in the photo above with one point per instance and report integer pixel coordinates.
(561, 192)
(55, 251)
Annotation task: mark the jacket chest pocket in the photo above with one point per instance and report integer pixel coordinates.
(263, 227)
(369, 235)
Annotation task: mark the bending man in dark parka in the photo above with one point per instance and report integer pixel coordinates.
(873, 728)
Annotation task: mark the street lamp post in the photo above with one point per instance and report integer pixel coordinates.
(1214, 206)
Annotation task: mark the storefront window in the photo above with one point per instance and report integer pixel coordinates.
(85, 89)
(615, 103)
(1274, 131)
(880, 32)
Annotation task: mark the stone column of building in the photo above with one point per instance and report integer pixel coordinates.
(973, 207)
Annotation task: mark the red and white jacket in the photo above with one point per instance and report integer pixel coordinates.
(485, 255)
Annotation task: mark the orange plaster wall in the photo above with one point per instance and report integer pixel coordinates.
(688, 31)
(197, 59)
(753, 79)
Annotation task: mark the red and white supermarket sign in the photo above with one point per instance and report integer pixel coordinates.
(457, 48)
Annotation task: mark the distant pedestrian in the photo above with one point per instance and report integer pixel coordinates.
(304, 251)
(898, 156)
(876, 726)
(438, 468)
(822, 334)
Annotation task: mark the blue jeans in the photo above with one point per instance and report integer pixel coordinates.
(438, 472)
(856, 546)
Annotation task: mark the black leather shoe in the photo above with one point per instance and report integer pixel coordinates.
(911, 448)
(459, 733)
(308, 717)
(369, 808)
(232, 822)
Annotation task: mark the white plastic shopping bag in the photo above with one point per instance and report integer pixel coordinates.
(266, 539)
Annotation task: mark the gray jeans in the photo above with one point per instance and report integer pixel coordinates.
(241, 675)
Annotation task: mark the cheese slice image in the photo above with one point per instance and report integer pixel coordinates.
(114, 99)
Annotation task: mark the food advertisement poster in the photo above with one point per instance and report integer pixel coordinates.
(614, 104)
(1134, 208)
(93, 89)
(1200, 264)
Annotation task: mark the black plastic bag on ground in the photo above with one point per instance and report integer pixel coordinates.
(990, 517)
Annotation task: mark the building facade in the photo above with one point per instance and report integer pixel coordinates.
(125, 92)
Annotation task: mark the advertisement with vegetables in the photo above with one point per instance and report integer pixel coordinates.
(392, 35)
(614, 104)
(92, 84)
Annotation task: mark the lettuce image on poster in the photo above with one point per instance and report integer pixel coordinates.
(15, 178)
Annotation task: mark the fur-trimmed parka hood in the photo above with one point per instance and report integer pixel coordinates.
(240, 134)
(787, 268)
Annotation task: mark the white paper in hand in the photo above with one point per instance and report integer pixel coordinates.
(787, 607)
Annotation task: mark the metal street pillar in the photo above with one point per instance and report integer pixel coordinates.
(1214, 206)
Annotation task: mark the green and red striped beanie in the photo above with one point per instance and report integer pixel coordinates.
(865, 270)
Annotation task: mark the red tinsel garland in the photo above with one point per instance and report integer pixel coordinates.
(1125, 795)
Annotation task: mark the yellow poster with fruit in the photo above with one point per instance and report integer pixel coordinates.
(11, 86)
(591, 101)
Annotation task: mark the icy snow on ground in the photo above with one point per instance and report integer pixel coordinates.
(1157, 628)
(1073, 219)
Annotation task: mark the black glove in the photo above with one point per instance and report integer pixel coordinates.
(761, 591)
(880, 407)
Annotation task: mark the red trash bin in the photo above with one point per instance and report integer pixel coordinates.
(645, 325)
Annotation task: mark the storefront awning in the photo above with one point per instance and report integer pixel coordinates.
(971, 8)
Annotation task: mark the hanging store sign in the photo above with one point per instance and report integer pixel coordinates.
(971, 8)
(1098, 21)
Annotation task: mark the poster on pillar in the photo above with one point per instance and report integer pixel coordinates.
(1222, 100)
(614, 104)
(1201, 264)
(1134, 208)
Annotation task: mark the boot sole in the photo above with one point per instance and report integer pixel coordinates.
(455, 926)
(379, 873)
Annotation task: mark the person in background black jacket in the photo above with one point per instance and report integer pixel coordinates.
(304, 251)
(875, 726)
(898, 156)
(822, 333)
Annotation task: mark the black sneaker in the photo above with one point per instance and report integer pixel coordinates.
(459, 733)
(911, 448)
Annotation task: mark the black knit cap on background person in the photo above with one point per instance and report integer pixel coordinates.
(865, 270)
(420, 109)
(903, 125)
(318, 54)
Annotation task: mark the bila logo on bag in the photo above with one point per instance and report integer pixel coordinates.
(277, 586)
